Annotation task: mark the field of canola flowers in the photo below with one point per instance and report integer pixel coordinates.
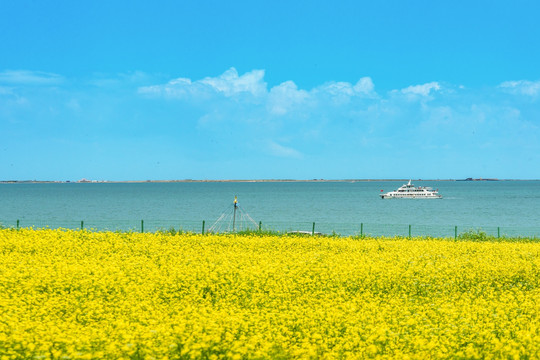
(101, 295)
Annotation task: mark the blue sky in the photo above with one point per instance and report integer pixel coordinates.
(138, 90)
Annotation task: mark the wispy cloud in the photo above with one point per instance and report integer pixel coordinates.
(4, 90)
(234, 113)
(26, 77)
(521, 87)
(422, 90)
(136, 78)
(283, 151)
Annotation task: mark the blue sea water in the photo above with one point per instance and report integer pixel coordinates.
(505, 207)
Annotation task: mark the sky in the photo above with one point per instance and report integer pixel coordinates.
(164, 90)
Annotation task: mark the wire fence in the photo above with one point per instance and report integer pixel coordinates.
(342, 229)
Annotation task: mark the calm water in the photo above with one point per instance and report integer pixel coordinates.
(342, 206)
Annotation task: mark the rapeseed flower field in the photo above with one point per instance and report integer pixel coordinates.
(100, 295)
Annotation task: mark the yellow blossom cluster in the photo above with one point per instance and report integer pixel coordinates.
(103, 295)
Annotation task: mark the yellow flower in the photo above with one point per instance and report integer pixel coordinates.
(82, 294)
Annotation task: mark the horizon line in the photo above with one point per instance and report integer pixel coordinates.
(87, 181)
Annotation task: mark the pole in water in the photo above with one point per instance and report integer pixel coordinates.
(234, 214)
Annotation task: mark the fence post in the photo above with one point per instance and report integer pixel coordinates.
(82, 224)
(362, 229)
(202, 232)
(17, 224)
(142, 226)
(313, 229)
(498, 232)
(455, 232)
(409, 231)
(260, 226)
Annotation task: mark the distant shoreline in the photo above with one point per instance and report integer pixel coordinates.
(84, 181)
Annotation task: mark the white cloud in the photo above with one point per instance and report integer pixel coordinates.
(286, 121)
(284, 97)
(280, 99)
(25, 77)
(364, 86)
(283, 151)
(522, 87)
(229, 84)
(337, 89)
(345, 90)
(422, 90)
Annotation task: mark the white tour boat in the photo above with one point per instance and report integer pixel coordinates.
(409, 191)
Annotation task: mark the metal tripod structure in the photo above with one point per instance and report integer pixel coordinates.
(233, 219)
